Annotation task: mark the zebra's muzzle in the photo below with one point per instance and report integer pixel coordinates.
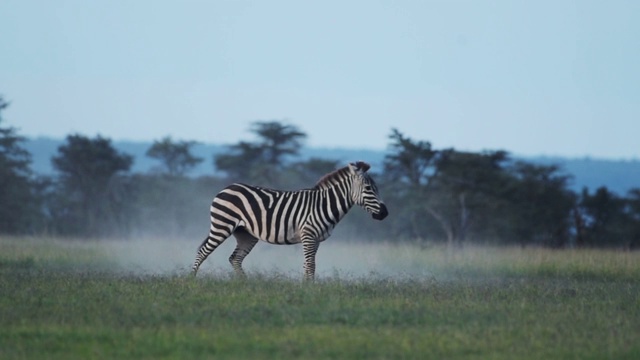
(381, 214)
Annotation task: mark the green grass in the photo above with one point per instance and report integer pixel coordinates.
(64, 300)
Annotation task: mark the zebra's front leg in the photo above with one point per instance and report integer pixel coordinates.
(309, 248)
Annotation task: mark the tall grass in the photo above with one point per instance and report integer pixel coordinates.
(88, 299)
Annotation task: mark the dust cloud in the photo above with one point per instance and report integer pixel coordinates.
(337, 257)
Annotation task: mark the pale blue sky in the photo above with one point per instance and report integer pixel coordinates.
(537, 77)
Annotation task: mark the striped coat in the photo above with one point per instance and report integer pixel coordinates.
(307, 216)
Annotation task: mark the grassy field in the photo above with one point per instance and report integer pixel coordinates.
(78, 300)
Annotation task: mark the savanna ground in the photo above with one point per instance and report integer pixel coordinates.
(63, 299)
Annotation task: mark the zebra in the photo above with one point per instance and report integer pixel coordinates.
(306, 216)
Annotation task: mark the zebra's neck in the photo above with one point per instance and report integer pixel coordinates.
(336, 195)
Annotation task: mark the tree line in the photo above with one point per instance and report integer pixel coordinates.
(434, 195)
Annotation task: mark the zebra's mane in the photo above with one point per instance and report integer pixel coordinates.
(331, 178)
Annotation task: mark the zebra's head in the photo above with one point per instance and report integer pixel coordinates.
(364, 191)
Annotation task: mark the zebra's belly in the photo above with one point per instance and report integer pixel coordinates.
(289, 237)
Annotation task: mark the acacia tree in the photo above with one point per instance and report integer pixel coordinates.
(436, 188)
(264, 160)
(278, 141)
(409, 170)
(18, 204)
(467, 188)
(166, 204)
(475, 195)
(175, 156)
(608, 218)
(633, 210)
(541, 205)
(240, 163)
(91, 193)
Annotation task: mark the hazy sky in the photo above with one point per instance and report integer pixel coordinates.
(556, 77)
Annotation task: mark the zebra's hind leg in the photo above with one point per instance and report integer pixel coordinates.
(246, 242)
(206, 248)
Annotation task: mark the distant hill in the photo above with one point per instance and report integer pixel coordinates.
(617, 175)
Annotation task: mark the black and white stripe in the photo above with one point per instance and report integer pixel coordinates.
(308, 216)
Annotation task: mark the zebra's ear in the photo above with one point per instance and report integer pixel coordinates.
(359, 166)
